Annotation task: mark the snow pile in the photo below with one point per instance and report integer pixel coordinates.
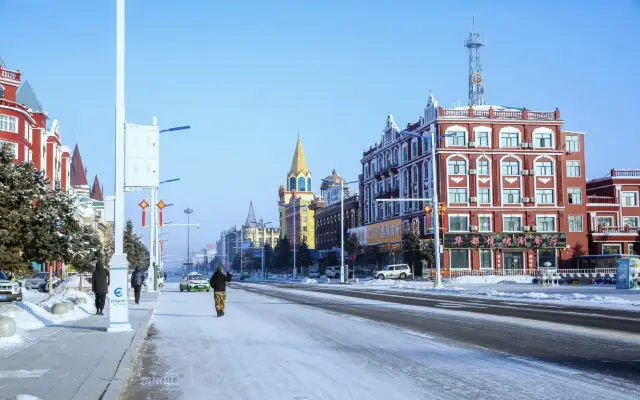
(34, 312)
(74, 283)
(308, 281)
(493, 279)
(11, 340)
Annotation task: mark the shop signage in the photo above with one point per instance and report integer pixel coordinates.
(361, 233)
(554, 240)
(384, 232)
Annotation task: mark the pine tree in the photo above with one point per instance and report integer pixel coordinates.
(137, 253)
(87, 250)
(303, 255)
(283, 253)
(412, 250)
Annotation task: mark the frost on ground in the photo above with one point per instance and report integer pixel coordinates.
(265, 349)
(34, 311)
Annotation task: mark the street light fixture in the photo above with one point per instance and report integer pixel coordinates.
(343, 184)
(170, 180)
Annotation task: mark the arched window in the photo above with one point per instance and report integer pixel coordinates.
(395, 156)
(301, 185)
(1, 91)
(309, 184)
(292, 183)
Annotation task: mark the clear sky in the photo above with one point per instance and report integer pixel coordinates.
(249, 75)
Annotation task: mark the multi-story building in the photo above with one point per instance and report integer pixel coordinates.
(257, 233)
(327, 212)
(511, 183)
(23, 126)
(298, 186)
(613, 213)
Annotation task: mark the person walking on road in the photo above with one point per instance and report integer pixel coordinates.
(137, 279)
(100, 285)
(218, 282)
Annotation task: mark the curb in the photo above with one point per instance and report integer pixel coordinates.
(127, 363)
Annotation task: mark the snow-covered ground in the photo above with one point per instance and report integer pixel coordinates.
(265, 348)
(34, 312)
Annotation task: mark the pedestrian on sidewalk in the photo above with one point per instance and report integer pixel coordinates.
(218, 282)
(137, 278)
(100, 285)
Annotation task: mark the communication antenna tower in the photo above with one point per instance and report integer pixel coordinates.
(476, 80)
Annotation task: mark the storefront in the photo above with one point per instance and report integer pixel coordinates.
(506, 251)
(384, 243)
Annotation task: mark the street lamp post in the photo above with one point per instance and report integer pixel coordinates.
(343, 184)
(264, 242)
(295, 238)
(119, 266)
(188, 211)
(154, 228)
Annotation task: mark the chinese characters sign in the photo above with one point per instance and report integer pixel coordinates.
(384, 232)
(505, 240)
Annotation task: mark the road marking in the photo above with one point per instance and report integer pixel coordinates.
(414, 333)
(28, 340)
(442, 305)
(21, 373)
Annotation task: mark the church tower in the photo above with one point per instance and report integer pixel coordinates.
(299, 181)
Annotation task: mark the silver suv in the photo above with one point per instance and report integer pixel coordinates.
(395, 271)
(9, 290)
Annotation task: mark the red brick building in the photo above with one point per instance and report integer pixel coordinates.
(512, 181)
(613, 212)
(23, 126)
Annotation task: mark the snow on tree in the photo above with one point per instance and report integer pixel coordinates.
(87, 251)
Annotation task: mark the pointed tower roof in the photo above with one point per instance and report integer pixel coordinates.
(96, 190)
(299, 163)
(78, 174)
(25, 95)
(2, 64)
(251, 217)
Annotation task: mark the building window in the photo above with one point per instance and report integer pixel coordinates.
(1, 91)
(292, 183)
(510, 168)
(457, 139)
(629, 199)
(8, 123)
(301, 185)
(573, 169)
(510, 139)
(573, 143)
(544, 196)
(395, 156)
(543, 140)
(483, 167)
(12, 146)
(482, 139)
(511, 196)
(484, 223)
(484, 196)
(458, 195)
(457, 167)
(459, 259)
(414, 149)
(611, 249)
(405, 153)
(544, 168)
(426, 144)
(512, 223)
(486, 259)
(603, 222)
(575, 195)
(630, 221)
(546, 223)
(458, 223)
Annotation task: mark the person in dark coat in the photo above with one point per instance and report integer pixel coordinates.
(137, 278)
(100, 285)
(218, 282)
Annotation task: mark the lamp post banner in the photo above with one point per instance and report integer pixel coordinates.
(119, 296)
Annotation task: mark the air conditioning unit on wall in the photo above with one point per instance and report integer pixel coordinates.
(473, 199)
(472, 171)
(527, 228)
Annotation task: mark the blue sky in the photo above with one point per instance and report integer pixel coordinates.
(249, 75)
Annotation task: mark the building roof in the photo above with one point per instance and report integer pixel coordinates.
(78, 171)
(251, 216)
(334, 178)
(299, 163)
(96, 190)
(2, 64)
(25, 95)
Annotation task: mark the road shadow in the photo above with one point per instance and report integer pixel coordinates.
(26, 308)
(85, 328)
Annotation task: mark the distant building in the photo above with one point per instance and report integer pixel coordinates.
(257, 233)
(298, 212)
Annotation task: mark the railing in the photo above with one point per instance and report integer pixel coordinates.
(587, 271)
(507, 114)
(632, 230)
(601, 200)
(625, 172)
(455, 273)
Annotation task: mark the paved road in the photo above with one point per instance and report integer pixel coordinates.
(284, 344)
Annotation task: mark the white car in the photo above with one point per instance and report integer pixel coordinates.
(334, 272)
(395, 271)
(194, 282)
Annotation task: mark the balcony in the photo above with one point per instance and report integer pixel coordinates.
(492, 113)
(624, 230)
(601, 200)
(626, 173)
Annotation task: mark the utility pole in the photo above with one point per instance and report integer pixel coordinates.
(152, 240)
(295, 237)
(188, 211)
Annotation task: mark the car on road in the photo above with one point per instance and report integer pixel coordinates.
(194, 282)
(9, 290)
(394, 271)
(39, 281)
(334, 272)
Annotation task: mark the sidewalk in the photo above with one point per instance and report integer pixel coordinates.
(79, 360)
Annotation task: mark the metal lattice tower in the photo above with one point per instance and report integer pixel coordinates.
(476, 80)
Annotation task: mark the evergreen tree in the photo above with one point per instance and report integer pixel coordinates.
(268, 255)
(303, 255)
(412, 250)
(352, 246)
(283, 253)
(137, 253)
(87, 250)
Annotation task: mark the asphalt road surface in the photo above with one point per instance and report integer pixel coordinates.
(304, 344)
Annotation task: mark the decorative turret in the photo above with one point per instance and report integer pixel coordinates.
(299, 178)
(96, 190)
(251, 217)
(78, 172)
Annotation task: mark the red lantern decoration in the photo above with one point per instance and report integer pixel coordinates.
(144, 205)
